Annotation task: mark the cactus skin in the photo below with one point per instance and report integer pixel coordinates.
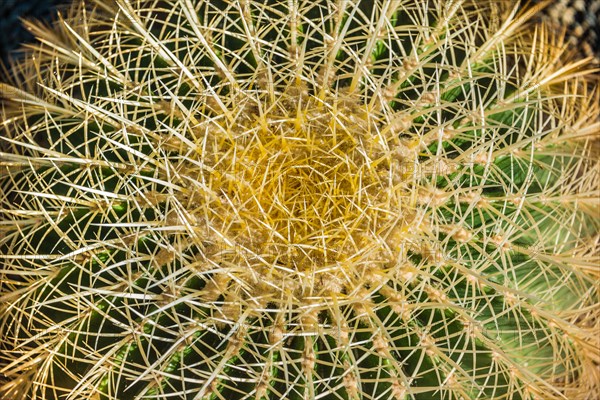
(298, 199)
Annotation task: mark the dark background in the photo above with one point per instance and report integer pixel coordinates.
(12, 33)
(580, 17)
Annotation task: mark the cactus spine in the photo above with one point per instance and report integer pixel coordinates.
(298, 199)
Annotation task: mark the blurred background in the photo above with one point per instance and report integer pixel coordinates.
(12, 33)
(579, 17)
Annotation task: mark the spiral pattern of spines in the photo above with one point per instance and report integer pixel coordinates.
(182, 183)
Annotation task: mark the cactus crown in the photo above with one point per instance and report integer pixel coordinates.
(298, 199)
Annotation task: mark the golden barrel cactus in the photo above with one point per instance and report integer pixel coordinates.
(299, 199)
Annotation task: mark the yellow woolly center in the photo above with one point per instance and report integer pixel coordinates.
(303, 197)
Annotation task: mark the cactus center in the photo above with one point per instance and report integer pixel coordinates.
(302, 195)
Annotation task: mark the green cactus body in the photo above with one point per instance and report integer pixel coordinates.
(298, 199)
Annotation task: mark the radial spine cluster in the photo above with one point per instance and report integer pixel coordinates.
(299, 199)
